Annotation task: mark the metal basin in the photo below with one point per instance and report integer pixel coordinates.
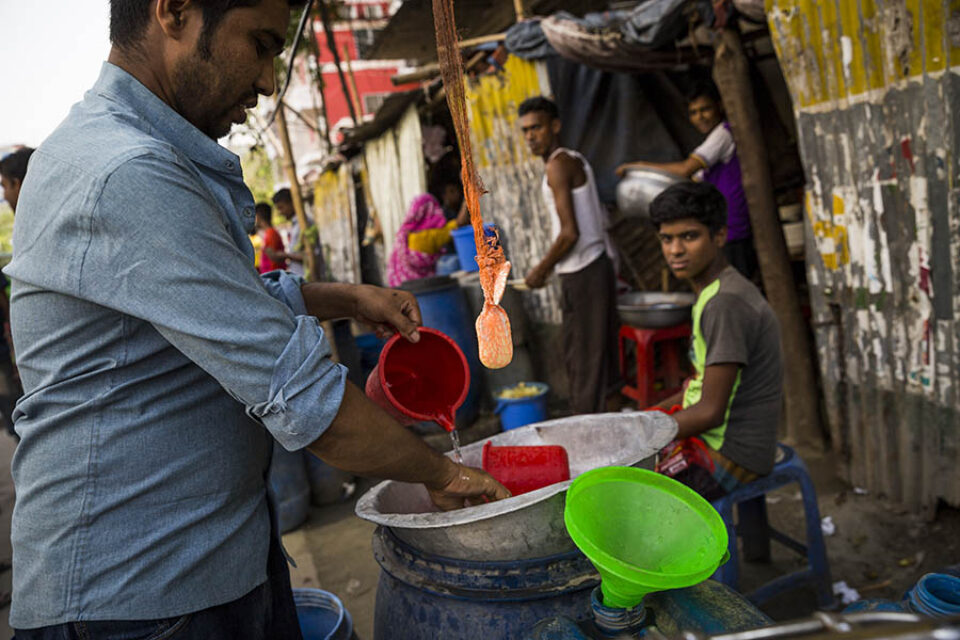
(638, 187)
(655, 310)
(528, 525)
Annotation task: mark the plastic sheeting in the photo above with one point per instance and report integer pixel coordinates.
(614, 40)
(612, 118)
(397, 173)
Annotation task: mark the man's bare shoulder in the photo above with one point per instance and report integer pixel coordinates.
(565, 167)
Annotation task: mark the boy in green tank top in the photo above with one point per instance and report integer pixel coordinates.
(732, 403)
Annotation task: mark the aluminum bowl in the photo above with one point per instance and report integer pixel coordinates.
(638, 187)
(655, 310)
(529, 525)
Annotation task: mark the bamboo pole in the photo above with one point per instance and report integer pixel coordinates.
(518, 8)
(732, 76)
(290, 167)
(321, 85)
(353, 80)
(332, 45)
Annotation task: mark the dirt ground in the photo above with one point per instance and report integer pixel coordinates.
(877, 549)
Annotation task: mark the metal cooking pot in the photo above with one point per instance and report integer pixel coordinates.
(637, 189)
(655, 310)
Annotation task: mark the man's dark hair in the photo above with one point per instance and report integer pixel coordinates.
(263, 210)
(129, 19)
(698, 200)
(704, 89)
(539, 103)
(13, 166)
(283, 195)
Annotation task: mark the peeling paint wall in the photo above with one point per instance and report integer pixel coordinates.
(873, 84)
(336, 222)
(511, 175)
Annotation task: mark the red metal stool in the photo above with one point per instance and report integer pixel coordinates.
(672, 343)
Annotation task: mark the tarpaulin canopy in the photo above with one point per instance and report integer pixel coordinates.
(409, 34)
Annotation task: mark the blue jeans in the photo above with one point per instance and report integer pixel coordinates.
(266, 613)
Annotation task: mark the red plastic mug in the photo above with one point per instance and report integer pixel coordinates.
(525, 469)
(426, 380)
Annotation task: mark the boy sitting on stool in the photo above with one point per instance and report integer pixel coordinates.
(731, 407)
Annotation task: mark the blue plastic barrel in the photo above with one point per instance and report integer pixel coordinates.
(321, 615)
(444, 307)
(424, 597)
(327, 484)
(518, 412)
(290, 487)
(936, 595)
(369, 346)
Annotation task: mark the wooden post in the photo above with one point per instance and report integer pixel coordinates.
(290, 167)
(332, 45)
(353, 80)
(732, 75)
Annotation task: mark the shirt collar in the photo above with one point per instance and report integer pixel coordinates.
(118, 85)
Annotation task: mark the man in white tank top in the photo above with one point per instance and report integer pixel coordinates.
(581, 256)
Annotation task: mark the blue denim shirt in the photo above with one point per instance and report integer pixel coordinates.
(152, 357)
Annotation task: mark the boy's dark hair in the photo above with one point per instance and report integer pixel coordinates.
(539, 103)
(263, 210)
(129, 19)
(283, 195)
(704, 89)
(698, 200)
(13, 166)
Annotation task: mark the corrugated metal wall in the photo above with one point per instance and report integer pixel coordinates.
(874, 86)
(513, 176)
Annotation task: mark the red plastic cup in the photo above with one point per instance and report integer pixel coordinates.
(525, 469)
(426, 380)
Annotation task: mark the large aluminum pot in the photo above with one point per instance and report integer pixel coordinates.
(529, 525)
(655, 310)
(637, 189)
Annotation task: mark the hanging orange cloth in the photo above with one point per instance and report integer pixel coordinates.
(493, 324)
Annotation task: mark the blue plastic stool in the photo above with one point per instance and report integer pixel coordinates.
(756, 532)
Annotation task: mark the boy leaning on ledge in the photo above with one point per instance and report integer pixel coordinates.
(731, 406)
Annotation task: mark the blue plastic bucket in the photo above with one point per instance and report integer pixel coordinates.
(466, 247)
(321, 615)
(937, 595)
(447, 264)
(517, 412)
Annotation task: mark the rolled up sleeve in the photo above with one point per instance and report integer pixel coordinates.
(160, 251)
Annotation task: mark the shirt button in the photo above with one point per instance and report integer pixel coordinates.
(247, 212)
(228, 164)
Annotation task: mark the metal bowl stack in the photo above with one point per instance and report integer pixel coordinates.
(655, 310)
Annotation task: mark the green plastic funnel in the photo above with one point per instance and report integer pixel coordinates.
(644, 532)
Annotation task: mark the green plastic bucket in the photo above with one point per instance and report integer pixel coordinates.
(644, 532)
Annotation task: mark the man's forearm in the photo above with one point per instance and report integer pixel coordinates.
(695, 420)
(560, 247)
(365, 440)
(330, 300)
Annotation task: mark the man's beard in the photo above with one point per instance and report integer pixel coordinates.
(195, 82)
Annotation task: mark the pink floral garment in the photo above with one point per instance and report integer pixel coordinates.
(405, 263)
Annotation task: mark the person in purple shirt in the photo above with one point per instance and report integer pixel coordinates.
(715, 161)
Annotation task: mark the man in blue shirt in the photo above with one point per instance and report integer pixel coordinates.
(159, 368)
